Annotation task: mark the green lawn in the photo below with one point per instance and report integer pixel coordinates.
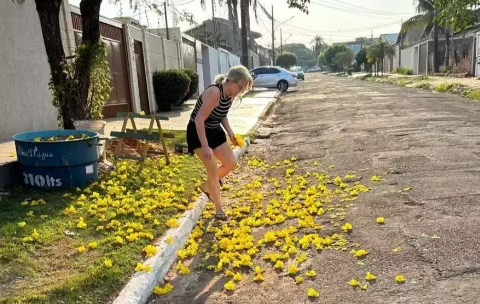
(41, 263)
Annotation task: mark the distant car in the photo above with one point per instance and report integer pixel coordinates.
(314, 69)
(274, 77)
(299, 72)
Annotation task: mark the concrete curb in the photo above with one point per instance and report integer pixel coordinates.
(139, 289)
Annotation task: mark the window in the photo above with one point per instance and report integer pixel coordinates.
(270, 71)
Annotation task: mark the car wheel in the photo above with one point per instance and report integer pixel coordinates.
(282, 86)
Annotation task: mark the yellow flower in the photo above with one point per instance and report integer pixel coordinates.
(238, 276)
(279, 264)
(184, 269)
(169, 240)
(35, 234)
(132, 237)
(258, 270)
(240, 140)
(298, 279)
(364, 286)
(27, 239)
(380, 220)
(22, 224)
(92, 245)
(81, 249)
(301, 258)
(119, 240)
(150, 250)
(354, 282)
(30, 214)
(108, 262)
(346, 227)
(229, 286)
(361, 252)
(230, 273)
(313, 293)
(172, 223)
(24, 203)
(311, 273)
(81, 224)
(407, 189)
(293, 269)
(139, 267)
(142, 113)
(37, 139)
(44, 216)
(375, 178)
(259, 277)
(397, 249)
(161, 291)
(400, 278)
(370, 276)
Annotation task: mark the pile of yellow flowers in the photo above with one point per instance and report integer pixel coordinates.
(290, 214)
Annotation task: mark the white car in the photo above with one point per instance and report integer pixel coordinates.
(274, 77)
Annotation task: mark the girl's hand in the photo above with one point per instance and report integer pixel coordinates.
(207, 153)
(233, 140)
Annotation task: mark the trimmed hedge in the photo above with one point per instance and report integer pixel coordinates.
(193, 84)
(170, 87)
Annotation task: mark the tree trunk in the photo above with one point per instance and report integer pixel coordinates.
(48, 13)
(244, 6)
(436, 61)
(447, 52)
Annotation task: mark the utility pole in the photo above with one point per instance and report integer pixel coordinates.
(400, 46)
(436, 65)
(244, 6)
(273, 40)
(166, 20)
(281, 41)
(214, 27)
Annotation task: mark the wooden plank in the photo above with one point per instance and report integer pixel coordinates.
(129, 157)
(166, 135)
(160, 132)
(156, 152)
(135, 115)
(141, 136)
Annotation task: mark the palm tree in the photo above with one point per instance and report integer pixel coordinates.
(318, 43)
(427, 18)
(378, 51)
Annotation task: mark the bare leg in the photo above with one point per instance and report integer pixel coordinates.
(213, 187)
(225, 155)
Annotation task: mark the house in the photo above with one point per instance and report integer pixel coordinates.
(358, 44)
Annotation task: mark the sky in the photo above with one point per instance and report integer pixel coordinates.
(334, 20)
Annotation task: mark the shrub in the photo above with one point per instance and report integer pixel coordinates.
(170, 87)
(422, 85)
(350, 71)
(403, 71)
(193, 84)
(402, 82)
(449, 87)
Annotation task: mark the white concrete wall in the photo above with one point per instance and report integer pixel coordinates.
(255, 60)
(408, 58)
(26, 101)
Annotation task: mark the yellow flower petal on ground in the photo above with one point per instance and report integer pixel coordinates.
(354, 282)
(147, 268)
(22, 224)
(298, 279)
(139, 267)
(313, 293)
(361, 253)
(150, 250)
(311, 273)
(278, 264)
(364, 286)
(81, 249)
(347, 227)
(119, 240)
(172, 223)
(400, 278)
(168, 287)
(259, 277)
(240, 140)
(169, 240)
(258, 270)
(159, 291)
(380, 220)
(229, 286)
(397, 249)
(238, 276)
(35, 234)
(27, 239)
(370, 276)
(230, 273)
(375, 178)
(293, 269)
(108, 262)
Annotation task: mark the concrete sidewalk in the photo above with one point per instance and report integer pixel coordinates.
(243, 117)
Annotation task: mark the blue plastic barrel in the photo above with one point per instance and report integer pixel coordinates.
(52, 165)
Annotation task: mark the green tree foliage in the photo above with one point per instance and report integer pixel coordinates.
(286, 60)
(361, 59)
(458, 14)
(330, 55)
(305, 56)
(344, 59)
(379, 50)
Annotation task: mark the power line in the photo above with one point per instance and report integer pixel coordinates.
(370, 10)
(349, 11)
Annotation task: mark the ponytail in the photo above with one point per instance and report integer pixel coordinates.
(219, 79)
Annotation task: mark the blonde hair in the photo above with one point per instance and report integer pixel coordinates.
(237, 73)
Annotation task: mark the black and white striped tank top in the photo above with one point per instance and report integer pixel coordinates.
(214, 119)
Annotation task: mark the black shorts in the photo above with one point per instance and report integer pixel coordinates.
(215, 137)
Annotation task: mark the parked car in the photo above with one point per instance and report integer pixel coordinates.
(314, 69)
(299, 72)
(274, 77)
